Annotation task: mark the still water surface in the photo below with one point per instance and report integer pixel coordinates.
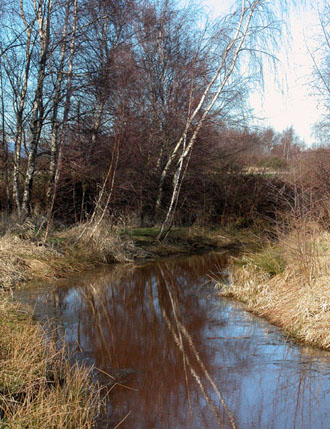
(193, 360)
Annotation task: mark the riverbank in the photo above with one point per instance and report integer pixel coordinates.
(25, 256)
(288, 283)
(38, 387)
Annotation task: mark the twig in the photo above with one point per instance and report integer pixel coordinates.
(116, 382)
(122, 421)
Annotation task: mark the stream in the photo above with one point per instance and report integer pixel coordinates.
(181, 356)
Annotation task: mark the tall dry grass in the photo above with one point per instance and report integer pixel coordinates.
(289, 284)
(25, 256)
(100, 242)
(38, 387)
(23, 259)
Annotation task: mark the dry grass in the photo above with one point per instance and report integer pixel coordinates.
(296, 297)
(100, 243)
(24, 256)
(38, 387)
(22, 260)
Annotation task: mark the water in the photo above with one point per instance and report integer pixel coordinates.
(182, 357)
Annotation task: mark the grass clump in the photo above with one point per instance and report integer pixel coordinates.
(25, 256)
(268, 261)
(273, 163)
(38, 387)
(99, 243)
(289, 284)
(23, 259)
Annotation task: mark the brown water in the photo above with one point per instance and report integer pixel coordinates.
(193, 360)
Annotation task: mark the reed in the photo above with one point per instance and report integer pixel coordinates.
(99, 242)
(38, 386)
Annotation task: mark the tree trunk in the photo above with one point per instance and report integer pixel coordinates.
(38, 108)
(67, 105)
(4, 145)
(227, 70)
(55, 122)
(19, 113)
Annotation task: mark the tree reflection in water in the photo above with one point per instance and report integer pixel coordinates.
(194, 360)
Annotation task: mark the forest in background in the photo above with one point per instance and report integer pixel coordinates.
(139, 109)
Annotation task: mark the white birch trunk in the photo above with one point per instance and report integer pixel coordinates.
(38, 108)
(19, 113)
(235, 46)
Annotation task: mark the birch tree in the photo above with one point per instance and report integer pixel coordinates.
(4, 142)
(172, 57)
(107, 48)
(57, 149)
(55, 121)
(248, 23)
(19, 86)
(43, 11)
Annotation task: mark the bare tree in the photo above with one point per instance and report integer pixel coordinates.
(55, 121)
(116, 103)
(107, 56)
(19, 86)
(4, 142)
(43, 10)
(174, 63)
(247, 24)
(57, 149)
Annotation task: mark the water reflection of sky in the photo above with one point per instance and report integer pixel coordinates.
(197, 361)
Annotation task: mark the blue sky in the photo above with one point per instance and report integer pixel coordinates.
(290, 103)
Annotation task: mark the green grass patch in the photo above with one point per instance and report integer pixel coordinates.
(269, 261)
(142, 232)
(274, 163)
